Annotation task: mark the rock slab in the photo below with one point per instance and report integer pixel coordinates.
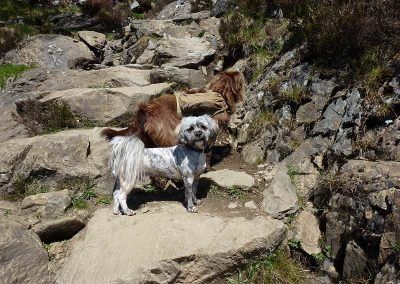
(228, 178)
(167, 245)
(22, 256)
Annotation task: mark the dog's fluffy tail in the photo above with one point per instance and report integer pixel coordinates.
(109, 133)
(127, 159)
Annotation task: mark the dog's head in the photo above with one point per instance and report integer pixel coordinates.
(198, 132)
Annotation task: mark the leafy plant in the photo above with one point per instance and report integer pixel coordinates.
(235, 192)
(294, 243)
(150, 188)
(395, 246)
(319, 256)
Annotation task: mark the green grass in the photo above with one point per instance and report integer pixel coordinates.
(236, 192)
(296, 94)
(11, 71)
(26, 186)
(84, 193)
(137, 15)
(277, 268)
(214, 190)
(292, 172)
(103, 200)
(262, 121)
(7, 212)
(395, 247)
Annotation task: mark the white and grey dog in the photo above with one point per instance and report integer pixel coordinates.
(131, 161)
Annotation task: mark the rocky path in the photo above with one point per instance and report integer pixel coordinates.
(59, 183)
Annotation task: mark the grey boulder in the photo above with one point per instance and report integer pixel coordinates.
(50, 51)
(22, 256)
(167, 245)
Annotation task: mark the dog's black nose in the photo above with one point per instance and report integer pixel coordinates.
(198, 133)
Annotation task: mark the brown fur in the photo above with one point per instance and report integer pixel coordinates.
(157, 119)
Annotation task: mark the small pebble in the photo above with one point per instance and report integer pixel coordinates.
(232, 205)
(250, 204)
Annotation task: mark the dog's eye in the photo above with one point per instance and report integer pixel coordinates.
(204, 127)
(191, 128)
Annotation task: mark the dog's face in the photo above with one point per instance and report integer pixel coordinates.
(197, 131)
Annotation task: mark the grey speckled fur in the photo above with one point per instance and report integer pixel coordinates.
(130, 161)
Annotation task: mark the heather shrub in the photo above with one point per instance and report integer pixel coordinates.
(109, 13)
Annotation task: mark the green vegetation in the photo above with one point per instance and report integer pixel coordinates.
(10, 71)
(290, 219)
(103, 200)
(214, 190)
(395, 246)
(236, 192)
(248, 33)
(294, 243)
(35, 16)
(150, 188)
(25, 186)
(277, 268)
(292, 172)
(49, 117)
(233, 192)
(262, 121)
(7, 212)
(295, 94)
(319, 257)
(84, 193)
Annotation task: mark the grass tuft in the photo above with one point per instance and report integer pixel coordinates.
(26, 186)
(277, 268)
(263, 120)
(12, 71)
(84, 193)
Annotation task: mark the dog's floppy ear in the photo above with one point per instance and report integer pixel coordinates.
(178, 133)
(212, 125)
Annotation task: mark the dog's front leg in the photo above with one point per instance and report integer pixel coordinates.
(189, 181)
(195, 187)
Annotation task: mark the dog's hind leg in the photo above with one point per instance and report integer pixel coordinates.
(116, 207)
(122, 195)
(116, 202)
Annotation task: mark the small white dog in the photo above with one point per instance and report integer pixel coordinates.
(130, 161)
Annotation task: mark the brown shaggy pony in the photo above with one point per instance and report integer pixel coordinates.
(156, 120)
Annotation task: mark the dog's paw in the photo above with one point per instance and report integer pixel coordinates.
(117, 212)
(130, 212)
(197, 202)
(192, 209)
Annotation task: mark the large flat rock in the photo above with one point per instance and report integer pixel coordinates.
(103, 105)
(167, 245)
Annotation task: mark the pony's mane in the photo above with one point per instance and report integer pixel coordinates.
(230, 85)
